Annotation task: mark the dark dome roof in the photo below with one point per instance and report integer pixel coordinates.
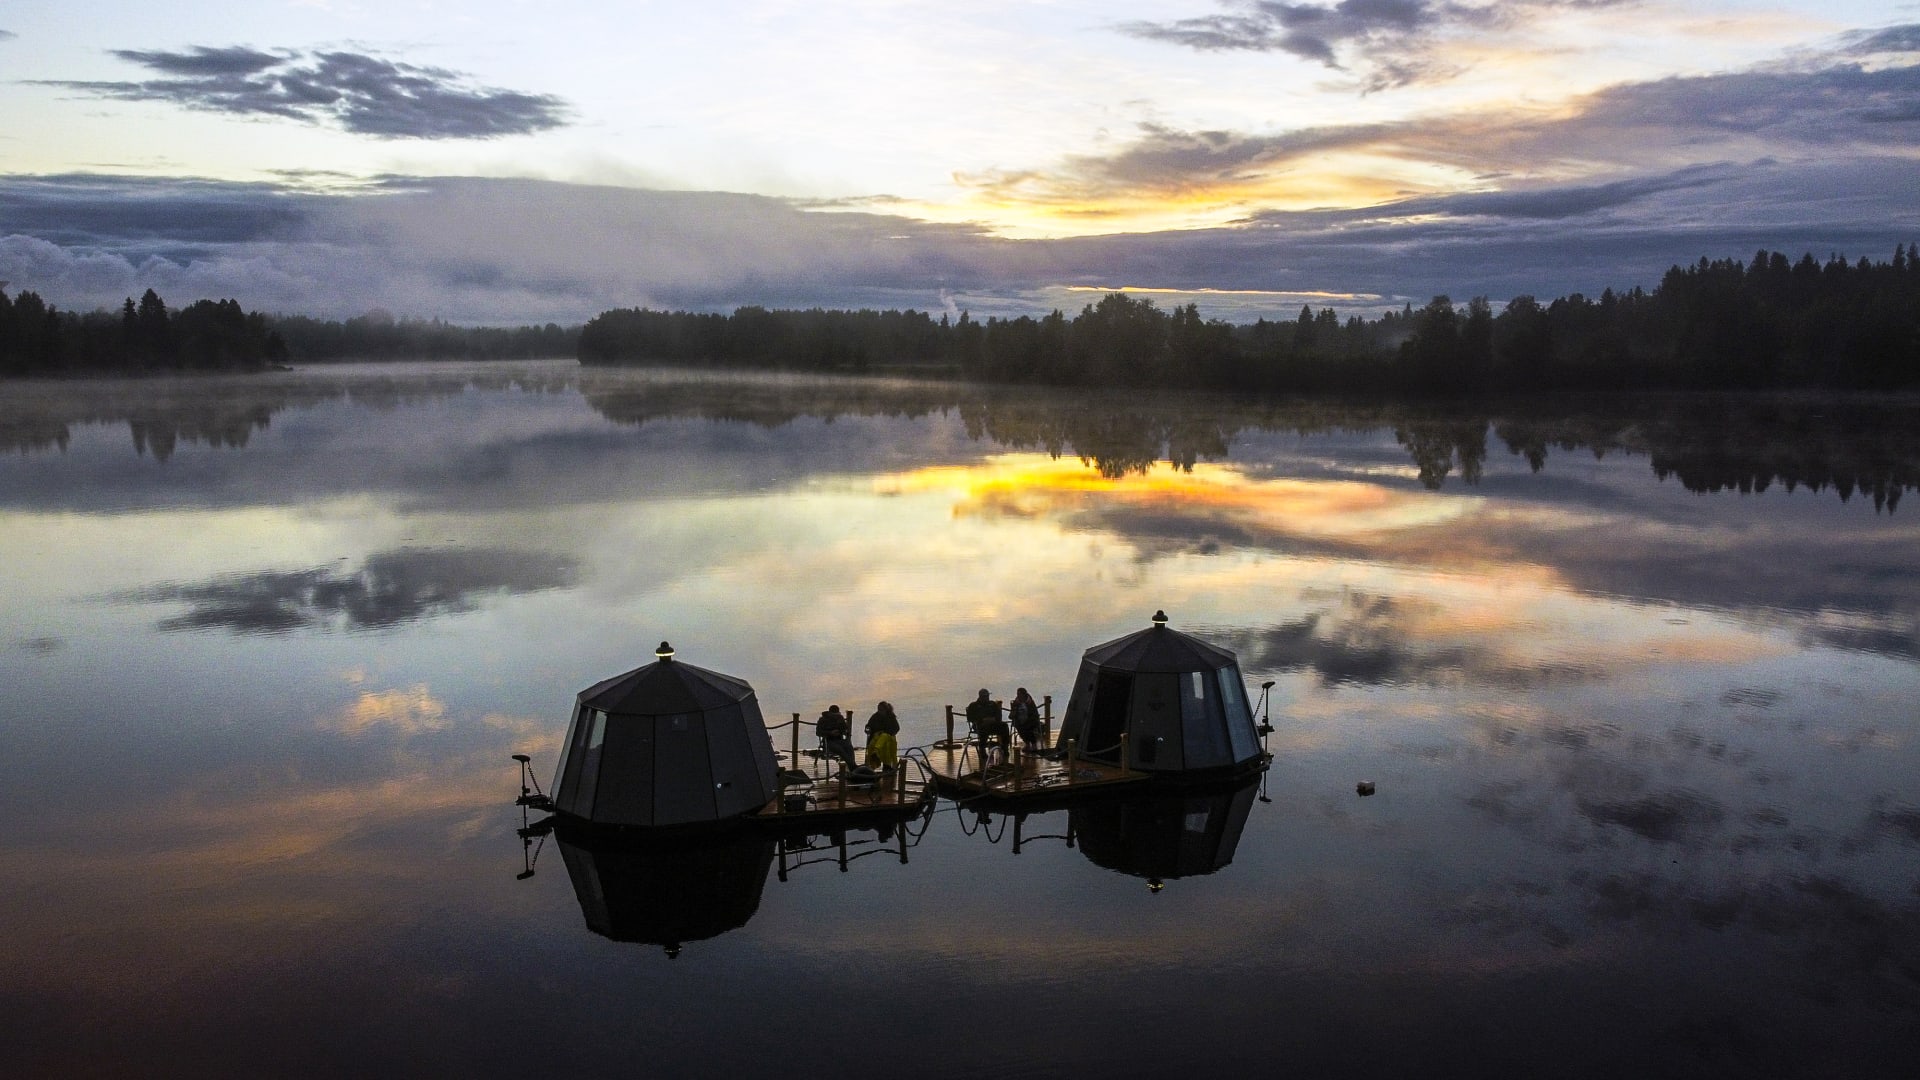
(665, 687)
(1159, 649)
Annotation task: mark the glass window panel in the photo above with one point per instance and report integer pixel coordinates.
(1206, 738)
(1193, 696)
(1246, 742)
(590, 765)
(566, 751)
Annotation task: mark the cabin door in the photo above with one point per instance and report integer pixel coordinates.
(1112, 694)
(1156, 743)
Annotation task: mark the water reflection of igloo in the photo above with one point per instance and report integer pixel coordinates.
(1164, 836)
(668, 892)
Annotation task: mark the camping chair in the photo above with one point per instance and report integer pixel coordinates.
(1035, 746)
(826, 756)
(829, 761)
(987, 743)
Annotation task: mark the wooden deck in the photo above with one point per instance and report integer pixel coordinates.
(1027, 777)
(898, 794)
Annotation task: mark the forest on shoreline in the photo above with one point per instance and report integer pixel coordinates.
(1768, 322)
(1726, 324)
(146, 337)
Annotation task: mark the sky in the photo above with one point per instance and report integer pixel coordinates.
(498, 161)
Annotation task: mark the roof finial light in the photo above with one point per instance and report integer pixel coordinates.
(1159, 618)
(664, 652)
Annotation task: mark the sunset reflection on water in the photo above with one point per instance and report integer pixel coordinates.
(1643, 753)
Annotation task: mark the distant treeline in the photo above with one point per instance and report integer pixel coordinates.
(1715, 324)
(211, 335)
(379, 336)
(1768, 322)
(217, 335)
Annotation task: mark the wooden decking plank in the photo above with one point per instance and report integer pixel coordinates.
(956, 770)
(829, 799)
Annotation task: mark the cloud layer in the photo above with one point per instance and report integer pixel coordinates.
(1634, 128)
(1606, 190)
(506, 251)
(357, 92)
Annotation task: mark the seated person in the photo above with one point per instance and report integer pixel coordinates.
(834, 730)
(1025, 714)
(883, 738)
(983, 714)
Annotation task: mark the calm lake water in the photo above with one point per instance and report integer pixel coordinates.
(1637, 685)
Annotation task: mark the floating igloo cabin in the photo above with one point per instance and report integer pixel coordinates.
(1178, 700)
(665, 744)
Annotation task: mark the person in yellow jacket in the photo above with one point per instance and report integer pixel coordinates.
(883, 738)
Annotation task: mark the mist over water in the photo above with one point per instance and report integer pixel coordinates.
(1634, 679)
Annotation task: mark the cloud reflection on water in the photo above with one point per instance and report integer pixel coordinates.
(390, 588)
(1362, 639)
(1634, 745)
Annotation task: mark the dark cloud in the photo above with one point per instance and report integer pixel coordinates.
(163, 217)
(203, 62)
(1310, 31)
(1834, 106)
(1893, 39)
(391, 588)
(1560, 203)
(361, 93)
(1167, 160)
(7, 35)
(1388, 43)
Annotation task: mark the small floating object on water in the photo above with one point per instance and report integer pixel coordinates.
(1363, 788)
